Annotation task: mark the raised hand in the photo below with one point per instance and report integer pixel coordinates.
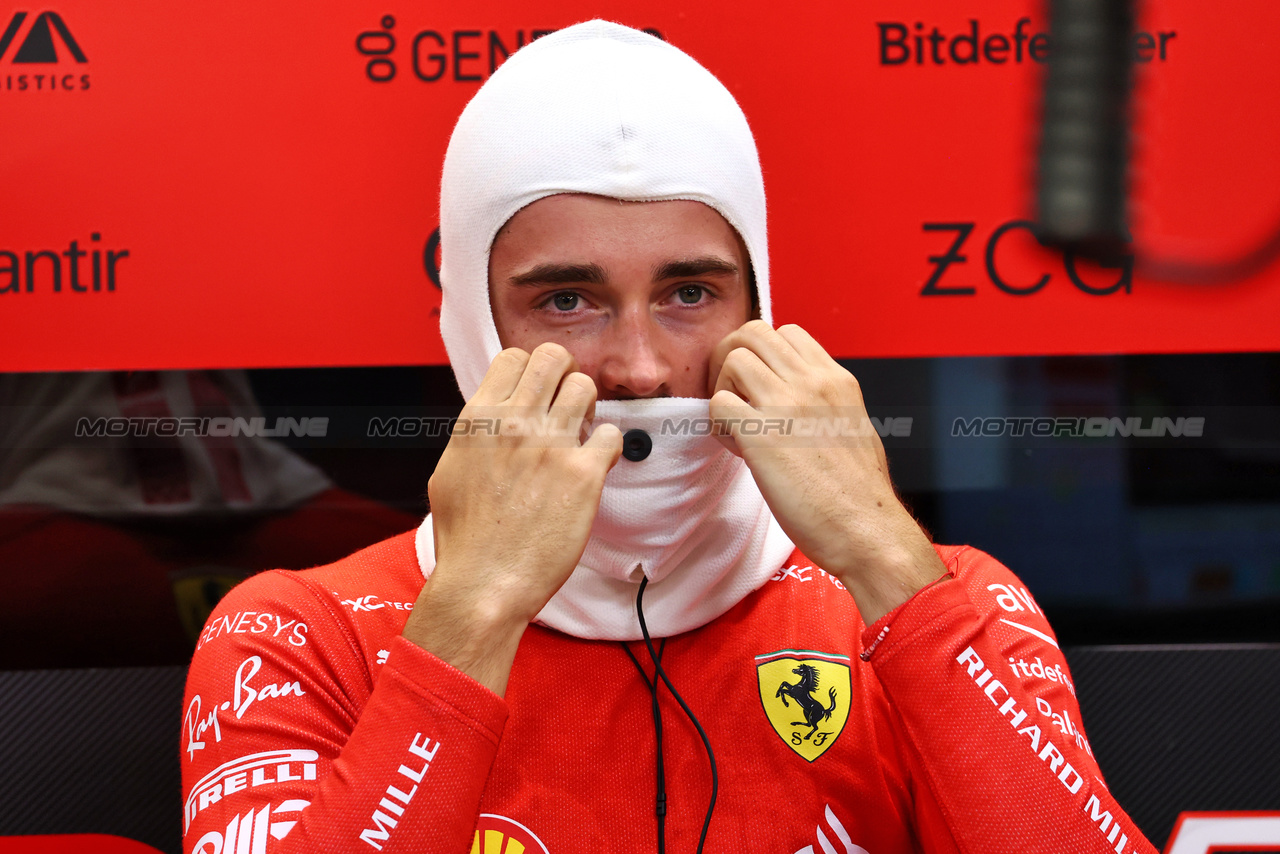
(512, 500)
(798, 420)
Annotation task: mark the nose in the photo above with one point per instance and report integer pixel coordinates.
(635, 364)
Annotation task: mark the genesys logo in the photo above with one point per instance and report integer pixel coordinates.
(248, 772)
(444, 55)
(255, 623)
(42, 40)
(248, 833)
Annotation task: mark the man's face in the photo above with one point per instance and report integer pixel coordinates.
(639, 292)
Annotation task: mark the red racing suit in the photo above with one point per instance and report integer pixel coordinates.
(950, 725)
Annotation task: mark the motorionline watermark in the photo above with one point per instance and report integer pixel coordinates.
(551, 425)
(808, 427)
(554, 426)
(137, 426)
(1093, 427)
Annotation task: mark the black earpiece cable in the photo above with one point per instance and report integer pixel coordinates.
(662, 674)
(657, 732)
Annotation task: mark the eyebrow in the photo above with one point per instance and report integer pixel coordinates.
(561, 274)
(594, 274)
(692, 268)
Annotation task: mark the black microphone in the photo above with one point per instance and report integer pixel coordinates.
(636, 445)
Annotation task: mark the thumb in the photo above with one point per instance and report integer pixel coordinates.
(606, 441)
(725, 407)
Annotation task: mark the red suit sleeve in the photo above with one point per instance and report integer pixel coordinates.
(295, 738)
(987, 711)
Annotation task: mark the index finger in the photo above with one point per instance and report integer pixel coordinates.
(718, 355)
(804, 343)
(545, 370)
(502, 377)
(758, 337)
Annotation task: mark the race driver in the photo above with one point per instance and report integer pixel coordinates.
(618, 630)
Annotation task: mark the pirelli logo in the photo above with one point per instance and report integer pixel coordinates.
(248, 772)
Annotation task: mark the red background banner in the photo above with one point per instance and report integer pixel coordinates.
(272, 172)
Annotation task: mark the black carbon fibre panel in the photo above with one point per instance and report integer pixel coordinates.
(92, 751)
(1179, 728)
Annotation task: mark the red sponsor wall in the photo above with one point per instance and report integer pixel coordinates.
(255, 185)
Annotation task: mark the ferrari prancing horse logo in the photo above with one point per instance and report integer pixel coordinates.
(806, 695)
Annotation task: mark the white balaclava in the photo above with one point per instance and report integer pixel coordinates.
(603, 109)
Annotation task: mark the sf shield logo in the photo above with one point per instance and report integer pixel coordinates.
(806, 695)
(497, 834)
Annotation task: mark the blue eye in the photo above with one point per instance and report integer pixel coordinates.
(690, 294)
(565, 301)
